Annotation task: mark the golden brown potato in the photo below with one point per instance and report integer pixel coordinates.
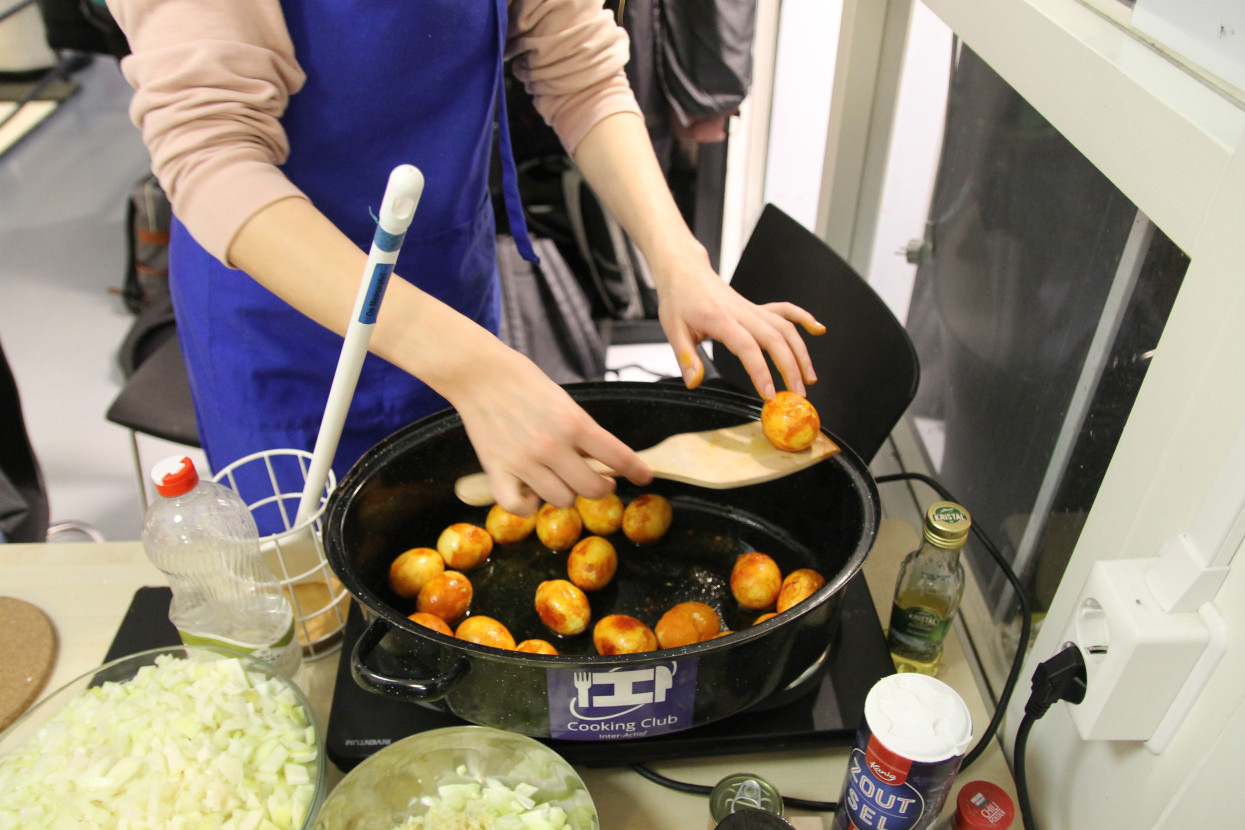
(601, 516)
(647, 518)
(764, 617)
(536, 647)
(447, 595)
(412, 568)
(507, 528)
(558, 527)
(797, 587)
(464, 546)
(431, 621)
(621, 634)
(790, 422)
(562, 607)
(686, 624)
(485, 631)
(755, 580)
(591, 563)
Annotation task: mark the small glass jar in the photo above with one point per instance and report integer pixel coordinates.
(981, 805)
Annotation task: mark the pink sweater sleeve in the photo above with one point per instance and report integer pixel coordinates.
(212, 81)
(570, 55)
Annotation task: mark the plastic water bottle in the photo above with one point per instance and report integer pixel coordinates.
(203, 537)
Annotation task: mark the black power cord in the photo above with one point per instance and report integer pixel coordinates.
(1009, 686)
(701, 789)
(1062, 677)
(1026, 615)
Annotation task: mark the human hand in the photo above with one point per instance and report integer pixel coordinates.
(532, 438)
(695, 304)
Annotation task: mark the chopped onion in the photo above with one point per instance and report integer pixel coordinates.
(184, 744)
(492, 805)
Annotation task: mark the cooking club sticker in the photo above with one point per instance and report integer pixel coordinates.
(586, 705)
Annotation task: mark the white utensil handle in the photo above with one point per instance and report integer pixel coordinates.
(402, 193)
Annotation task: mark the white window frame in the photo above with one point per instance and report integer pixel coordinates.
(1173, 141)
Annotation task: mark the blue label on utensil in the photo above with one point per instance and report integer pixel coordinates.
(621, 703)
(386, 241)
(375, 293)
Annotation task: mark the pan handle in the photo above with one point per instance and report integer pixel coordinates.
(410, 688)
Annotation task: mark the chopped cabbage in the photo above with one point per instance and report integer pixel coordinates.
(185, 744)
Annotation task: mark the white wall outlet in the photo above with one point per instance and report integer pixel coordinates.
(1137, 656)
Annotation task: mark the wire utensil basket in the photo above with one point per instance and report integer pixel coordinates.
(272, 483)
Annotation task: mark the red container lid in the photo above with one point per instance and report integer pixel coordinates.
(983, 806)
(175, 476)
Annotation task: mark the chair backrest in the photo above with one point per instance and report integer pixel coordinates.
(866, 366)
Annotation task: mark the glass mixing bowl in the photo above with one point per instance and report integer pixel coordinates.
(426, 771)
(121, 746)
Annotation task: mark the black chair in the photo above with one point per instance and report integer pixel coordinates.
(867, 369)
(155, 399)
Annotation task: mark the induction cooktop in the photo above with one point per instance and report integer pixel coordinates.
(825, 710)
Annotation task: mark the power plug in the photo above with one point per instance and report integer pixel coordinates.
(1137, 656)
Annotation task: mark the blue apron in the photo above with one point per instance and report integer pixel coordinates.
(402, 81)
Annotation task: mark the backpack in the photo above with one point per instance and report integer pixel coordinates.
(83, 26)
(545, 314)
(149, 219)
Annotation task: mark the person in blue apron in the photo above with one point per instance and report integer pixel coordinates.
(358, 88)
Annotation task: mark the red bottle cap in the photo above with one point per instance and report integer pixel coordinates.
(983, 806)
(174, 476)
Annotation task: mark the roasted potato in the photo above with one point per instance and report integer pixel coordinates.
(464, 546)
(447, 595)
(558, 527)
(562, 607)
(507, 528)
(790, 422)
(485, 631)
(431, 621)
(798, 586)
(600, 516)
(755, 580)
(686, 624)
(621, 634)
(536, 647)
(591, 563)
(647, 518)
(412, 568)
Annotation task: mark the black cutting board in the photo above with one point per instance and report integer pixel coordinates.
(145, 625)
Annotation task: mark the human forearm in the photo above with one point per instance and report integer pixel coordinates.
(616, 157)
(529, 435)
(295, 252)
(212, 81)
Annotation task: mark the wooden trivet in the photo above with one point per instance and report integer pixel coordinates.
(27, 655)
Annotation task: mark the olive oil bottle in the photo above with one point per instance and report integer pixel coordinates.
(928, 591)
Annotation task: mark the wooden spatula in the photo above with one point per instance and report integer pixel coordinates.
(717, 459)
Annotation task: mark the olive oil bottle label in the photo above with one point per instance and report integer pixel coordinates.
(918, 624)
